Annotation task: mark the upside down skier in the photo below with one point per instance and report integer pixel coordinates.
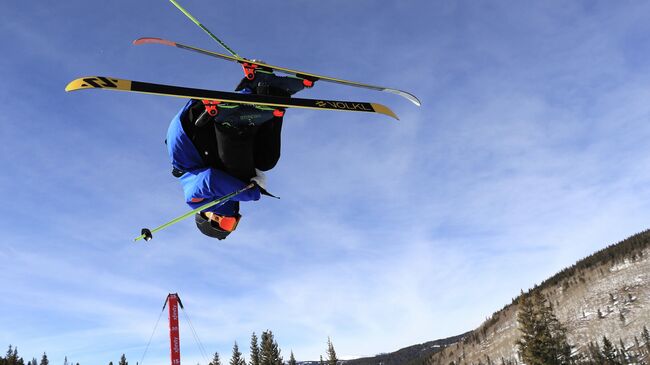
(216, 149)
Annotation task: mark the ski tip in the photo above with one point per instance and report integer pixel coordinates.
(75, 85)
(410, 97)
(98, 82)
(146, 40)
(382, 109)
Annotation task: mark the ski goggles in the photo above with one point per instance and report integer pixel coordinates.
(226, 223)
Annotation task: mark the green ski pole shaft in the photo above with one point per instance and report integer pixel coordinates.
(147, 234)
(192, 18)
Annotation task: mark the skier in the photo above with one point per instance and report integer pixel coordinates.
(216, 149)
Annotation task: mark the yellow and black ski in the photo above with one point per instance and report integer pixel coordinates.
(251, 66)
(111, 83)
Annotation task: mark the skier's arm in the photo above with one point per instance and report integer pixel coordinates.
(205, 184)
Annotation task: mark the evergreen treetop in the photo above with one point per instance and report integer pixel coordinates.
(255, 351)
(269, 352)
(609, 352)
(543, 338)
(331, 354)
(215, 359)
(237, 358)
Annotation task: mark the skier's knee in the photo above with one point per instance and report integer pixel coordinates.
(267, 162)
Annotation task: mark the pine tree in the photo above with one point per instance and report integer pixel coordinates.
(12, 356)
(622, 353)
(255, 351)
(331, 354)
(123, 360)
(269, 352)
(543, 338)
(557, 348)
(237, 358)
(65, 361)
(292, 359)
(595, 355)
(215, 359)
(645, 335)
(609, 352)
(637, 347)
(277, 358)
(44, 360)
(527, 344)
(265, 349)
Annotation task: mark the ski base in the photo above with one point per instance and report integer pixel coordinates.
(254, 64)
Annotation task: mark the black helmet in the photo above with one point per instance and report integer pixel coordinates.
(211, 228)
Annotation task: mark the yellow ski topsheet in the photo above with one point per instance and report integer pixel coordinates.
(96, 83)
(112, 83)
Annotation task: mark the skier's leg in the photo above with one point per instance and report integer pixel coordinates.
(267, 144)
(236, 153)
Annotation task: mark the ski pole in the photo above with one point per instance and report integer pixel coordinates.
(147, 234)
(193, 19)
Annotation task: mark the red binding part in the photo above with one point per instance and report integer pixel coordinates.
(211, 107)
(278, 113)
(249, 70)
(307, 83)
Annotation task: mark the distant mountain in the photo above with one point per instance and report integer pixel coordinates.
(412, 355)
(605, 294)
(415, 354)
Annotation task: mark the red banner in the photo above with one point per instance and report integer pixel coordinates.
(174, 334)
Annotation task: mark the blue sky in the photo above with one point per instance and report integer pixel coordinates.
(530, 151)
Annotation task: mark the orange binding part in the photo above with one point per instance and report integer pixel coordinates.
(249, 69)
(278, 113)
(211, 107)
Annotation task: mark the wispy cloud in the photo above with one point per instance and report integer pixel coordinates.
(528, 153)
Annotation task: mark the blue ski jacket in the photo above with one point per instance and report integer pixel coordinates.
(201, 183)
